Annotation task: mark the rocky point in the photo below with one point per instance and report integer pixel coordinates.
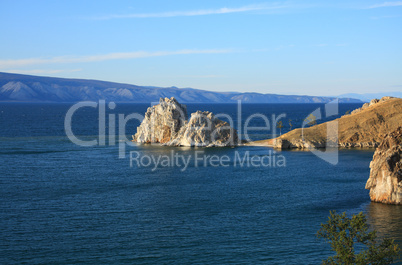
(385, 182)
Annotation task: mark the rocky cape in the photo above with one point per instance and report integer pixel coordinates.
(166, 123)
(385, 182)
(365, 127)
(28, 88)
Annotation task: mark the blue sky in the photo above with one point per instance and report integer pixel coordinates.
(284, 47)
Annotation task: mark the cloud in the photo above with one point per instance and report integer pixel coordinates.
(202, 12)
(43, 71)
(387, 4)
(102, 57)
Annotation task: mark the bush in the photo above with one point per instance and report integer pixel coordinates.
(346, 234)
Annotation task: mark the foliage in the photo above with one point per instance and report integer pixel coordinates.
(279, 125)
(311, 119)
(345, 235)
(347, 112)
(290, 124)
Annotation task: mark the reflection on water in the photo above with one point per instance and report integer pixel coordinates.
(386, 219)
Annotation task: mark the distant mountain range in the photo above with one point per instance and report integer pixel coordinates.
(369, 96)
(27, 88)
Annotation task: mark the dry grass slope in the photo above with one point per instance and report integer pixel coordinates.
(364, 128)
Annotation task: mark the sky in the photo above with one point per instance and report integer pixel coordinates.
(323, 48)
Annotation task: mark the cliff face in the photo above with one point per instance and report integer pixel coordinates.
(364, 127)
(385, 182)
(162, 122)
(166, 123)
(204, 129)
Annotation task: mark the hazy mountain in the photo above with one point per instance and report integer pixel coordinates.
(16, 87)
(369, 96)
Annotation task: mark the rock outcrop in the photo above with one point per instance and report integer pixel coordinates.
(371, 103)
(162, 122)
(166, 123)
(385, 182)
(363, 128)
(204, 129)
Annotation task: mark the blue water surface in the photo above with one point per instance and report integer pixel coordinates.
(66, 204)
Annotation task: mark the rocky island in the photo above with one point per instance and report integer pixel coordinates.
(167, 124)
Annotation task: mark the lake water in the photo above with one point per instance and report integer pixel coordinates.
(66, 204)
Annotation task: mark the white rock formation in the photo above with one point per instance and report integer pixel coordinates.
(167, 123)
(204, 129)
(162, 122)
